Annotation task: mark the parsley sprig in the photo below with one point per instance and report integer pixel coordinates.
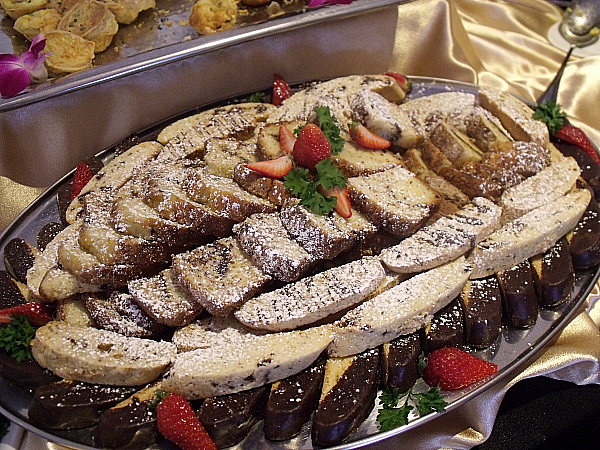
(301, 186)
(551, 114)
(16, 337)
(328, 125)
(391, 416)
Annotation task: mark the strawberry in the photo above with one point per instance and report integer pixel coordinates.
(286, 139)
(311, 147)
(38, 314)
(453, 368)
(576, 136)
(343, 205)
(404, 83)
(363, 137)
(83, 174)
(178, 423)
(274, 168)
(281, 90)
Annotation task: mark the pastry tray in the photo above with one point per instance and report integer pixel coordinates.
(163, 35)
(512, 351)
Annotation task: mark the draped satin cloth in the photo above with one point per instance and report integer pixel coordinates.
(495, 43)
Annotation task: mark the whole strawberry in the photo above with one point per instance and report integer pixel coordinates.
(178, 423)
(453, 368)
(311, 147)
(281, 90)
(83, 174)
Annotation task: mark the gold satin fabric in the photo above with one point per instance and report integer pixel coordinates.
(501, 44)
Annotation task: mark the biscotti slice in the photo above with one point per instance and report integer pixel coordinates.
(172, 203)
(251, 360)
(355, 160)
(72, 310)
(265, 239)
(264, 187)
(457, 146)
(99, 356)
(224, 195)
(88, 269)
(544, 187)
(222, 155)
(348, 396)
(400, 310)
(118, 312)
(528, 235)
(132, 216)
(395, 200)
(528, 157)
(486, 130)
(319, 234)
(46, 280)
(163, 299)
(115, 173)
(444, 240)
(337, 95)
(219, 276)
(187, 137)
(112, 247)
(514, 115)
(312, 298)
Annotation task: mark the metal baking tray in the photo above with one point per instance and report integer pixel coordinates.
(512, 351)
(163, 36)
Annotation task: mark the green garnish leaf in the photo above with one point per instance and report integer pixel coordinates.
(329, 175)
(319, 203)
(431, 401)
(551, 114)
(421, 364)
(390, 418)
(298, 183)
(15, 338)
(327, 124)
(257, 97)
(159, 396)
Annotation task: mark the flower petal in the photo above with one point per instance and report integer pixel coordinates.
(13, 79)
(38, 44)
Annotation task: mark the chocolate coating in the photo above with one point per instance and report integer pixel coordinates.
(292, 402)
(129, 427)
(518, 295)
(554, 275)
(28, 374)
(10, 294)
(446, 329)
(482, 305)
(18, 258)
(399, 360)
(584, 242)
(47, 233)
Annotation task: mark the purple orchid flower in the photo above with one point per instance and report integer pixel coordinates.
(17, 72)
(315, 3)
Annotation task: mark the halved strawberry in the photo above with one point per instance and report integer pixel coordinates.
(83, 174)
(576, 136)
(343, 206)
(281, 90)
(365, 138)
(286, 139)
(404, 83)
(274, 168)
(177, 422)
(311, 147)
(453, 368)
(38, 314)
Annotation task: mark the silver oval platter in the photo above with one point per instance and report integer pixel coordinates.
(512, 350)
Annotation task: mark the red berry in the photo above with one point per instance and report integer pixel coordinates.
(363, 137)
(178, 423)
(286, 139)
(453, 368)
(404, 83)
(311, 147)
(38, 314)
(83, 174)
(281, 90)
(274, 168)
(576, 136)
(343, 206)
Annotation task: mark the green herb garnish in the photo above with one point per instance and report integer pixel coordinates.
(328, 176)
(551, 114)
(391, 416)
(327, 124)
(159, 396)
(15, 338)
(257, 97)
